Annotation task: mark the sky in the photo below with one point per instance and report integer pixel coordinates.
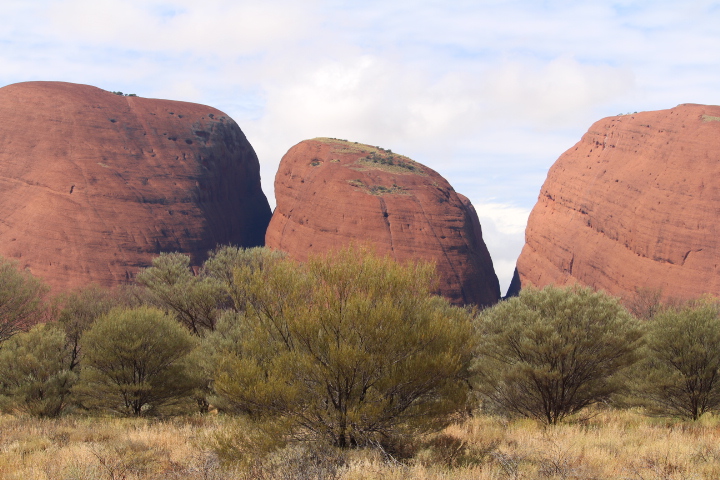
(489, 93)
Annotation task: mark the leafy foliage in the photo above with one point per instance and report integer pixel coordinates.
(35, 377)
(645, 303)
(681, 371)
(174, 288)
(78, 311)
(225, 261)
(350, 348)
(550, 353)
(21, 299)
(133, 363)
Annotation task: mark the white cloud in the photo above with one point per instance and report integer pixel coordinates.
(508, 219)
(212, 28)
(560, 92)
(487, 93)
(503, 227)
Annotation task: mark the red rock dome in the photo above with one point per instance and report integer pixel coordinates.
(634, 204)
(93, 184)
(331, 193)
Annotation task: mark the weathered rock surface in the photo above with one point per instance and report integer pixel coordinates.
(634, 204)
(331, 193)
(93, 185)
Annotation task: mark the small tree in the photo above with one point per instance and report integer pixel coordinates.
(224, 261)
(174, 288)
(350, 348)
(21, 299)
(645, 303)
(550, 353)
(133, 363)
(680, 374)
(35, 377)
(78, 311)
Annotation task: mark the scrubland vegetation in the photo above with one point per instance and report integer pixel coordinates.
(607, 444)
(348, 367)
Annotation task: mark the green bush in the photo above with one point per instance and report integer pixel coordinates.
(680, 374)
(348, 348)
(22, 302)
(550, 353)
(35, 375)
(134, 363)
(79, 309)
(173, 287)
(226, 260)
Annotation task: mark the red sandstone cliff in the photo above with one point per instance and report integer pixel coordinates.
(93, 185)
(635, 203)
(331, 193)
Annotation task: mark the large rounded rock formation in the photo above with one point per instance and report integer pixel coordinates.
(331, 193)
(633, 205)
(93, 184)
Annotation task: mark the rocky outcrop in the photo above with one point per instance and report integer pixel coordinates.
(331, 193)
(634, 204)
(93, 184)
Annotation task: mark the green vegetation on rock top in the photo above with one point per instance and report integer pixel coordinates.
(378, 189)
(374, 157)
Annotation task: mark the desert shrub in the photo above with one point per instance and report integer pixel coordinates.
(134, 363)
(550, 353)
(21, 299)
(244, 441)
(79, 309)
(224, 261)
(680, 374)
(173, 287)
(35, 375)
(348, 348)
(645, 303)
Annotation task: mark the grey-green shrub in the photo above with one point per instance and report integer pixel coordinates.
(22, 302)
(79, 309)
(134, 362)
(550, 353)
(35, 376)
(192, 299)
(349, 348)
(680, 373)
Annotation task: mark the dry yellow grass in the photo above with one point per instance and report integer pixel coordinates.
(609, 445)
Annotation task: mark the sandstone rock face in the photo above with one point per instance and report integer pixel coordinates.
(93, 185)
(634, 204)
(331, 193)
